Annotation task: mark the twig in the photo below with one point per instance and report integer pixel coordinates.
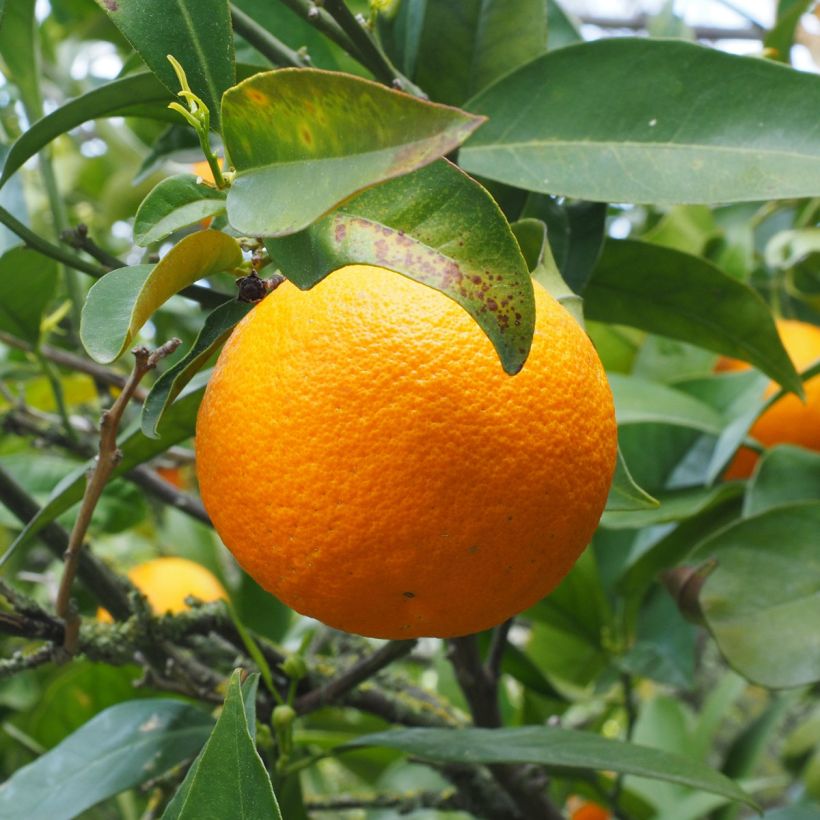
(204, 296)
(264, 42)
(370, 53)
(497, 647)
(79, 239)
(110, 590)
(146, 478)
(73, 362)
(315, 15)
(526, 785)
(109, 457)
(403, 803)
(641, 23)
(352, 677)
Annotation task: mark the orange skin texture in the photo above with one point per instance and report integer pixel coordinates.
(166, 583)
(366, 459)
(789, 421)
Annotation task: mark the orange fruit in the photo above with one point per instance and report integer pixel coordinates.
(789, 420)
(167, 582)
(203, 169)
(366, 459)
(581, 809)
(173, 475)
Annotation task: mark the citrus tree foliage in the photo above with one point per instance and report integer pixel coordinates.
(666, 192)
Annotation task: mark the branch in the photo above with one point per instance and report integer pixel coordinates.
(79, 239)
(204, 296)
(370, 54)
(72, 362)
(641, 23)
(110, 590)
(358, 673)
(264, 42)
(403, 803)
(109, 457)
(526, 785)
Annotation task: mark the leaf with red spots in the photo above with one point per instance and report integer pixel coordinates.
(304, 140)
(439, 227)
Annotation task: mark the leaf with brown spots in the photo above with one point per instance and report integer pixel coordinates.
(439, 227)
(304, 140)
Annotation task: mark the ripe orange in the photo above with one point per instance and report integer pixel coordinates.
(366, 459)
(167, 582)
(581, 809)
(789, 420)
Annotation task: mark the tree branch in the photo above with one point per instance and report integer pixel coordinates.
(351, 678)
(264, 42)
(110, 590)
(526, 785)
(109, 456)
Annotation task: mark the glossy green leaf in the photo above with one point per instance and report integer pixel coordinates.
(120, 303)
(562, 30)
(685, 297)
(228, 779)
(111, 99)
(175, 203)
(670, 134)
(762, 602)
(217, 327)
(27, 283)
(576, 235)
(135, 95)
(624, 493)
(326, 136)
(19, 54)
(560, 749)
(638, 401)
(120, 748)
(436, 226)
(780, 37)
(532, 239)
(676, 505)
(177, 424)
(196, 32)
(783, 475)
(453, 50)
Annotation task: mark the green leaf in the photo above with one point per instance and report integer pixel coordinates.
(624, 494)
(783, 475)
(576, 235)
(112, 99)
(135, 95)
(436, 226)
(27, 283)
(177, 425)
(217, 327)
(196, 32)
(638, 401)
(120, 303)
(532, 239)
(685, 297)
(175, 203)
(228, 779)
(562, 30)
(762, 602)
(560, 749)
(456, 49)
(670, 134)
(326, 136)
(675, 505)
(118, 749)
(781, 36)
(19, 53)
